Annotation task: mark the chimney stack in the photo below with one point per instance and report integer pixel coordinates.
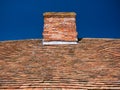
(59, 28)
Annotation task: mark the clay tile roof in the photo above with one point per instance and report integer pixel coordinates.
(91, 64)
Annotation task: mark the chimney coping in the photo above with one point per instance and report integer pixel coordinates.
(59, 14)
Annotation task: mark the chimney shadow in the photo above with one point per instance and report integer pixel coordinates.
(79, 39)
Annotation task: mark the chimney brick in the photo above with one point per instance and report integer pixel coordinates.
(59, 28)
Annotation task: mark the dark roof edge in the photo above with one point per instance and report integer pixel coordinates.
(42, 39)
(104, 38)
(18, 40)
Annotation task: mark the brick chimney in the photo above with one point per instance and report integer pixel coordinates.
(59, 28)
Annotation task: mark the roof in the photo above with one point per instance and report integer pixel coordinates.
(91, 64)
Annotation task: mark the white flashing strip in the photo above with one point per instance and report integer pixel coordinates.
(57, 42)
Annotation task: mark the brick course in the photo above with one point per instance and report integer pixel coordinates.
(60, 26)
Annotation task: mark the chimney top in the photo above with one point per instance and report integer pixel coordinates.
(59, 14)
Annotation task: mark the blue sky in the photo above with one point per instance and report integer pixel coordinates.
(23, 19)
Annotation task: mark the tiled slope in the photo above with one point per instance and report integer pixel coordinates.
(91, 64)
